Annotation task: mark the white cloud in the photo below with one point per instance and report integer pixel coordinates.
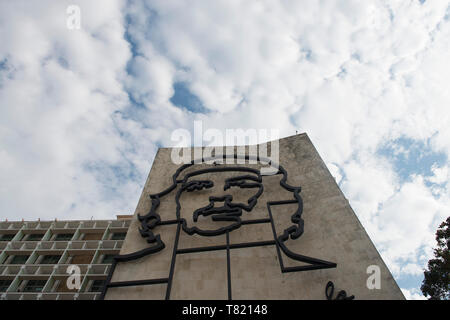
(335, 172)
(58, 137)
(413, 294)
(412, 269)
(406, 224)
(369, 183)
(440, 174)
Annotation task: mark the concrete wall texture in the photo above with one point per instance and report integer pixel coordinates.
(332, 232)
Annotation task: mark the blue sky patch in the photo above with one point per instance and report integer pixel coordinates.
(409, 281)
(411, 157)
(185, 99)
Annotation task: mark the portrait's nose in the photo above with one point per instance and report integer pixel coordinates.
(226, 198)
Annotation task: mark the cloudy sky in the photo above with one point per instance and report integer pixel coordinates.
(83, 111)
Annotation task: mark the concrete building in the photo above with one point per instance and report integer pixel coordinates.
(208, 230)
(36, 256)
(225, 231)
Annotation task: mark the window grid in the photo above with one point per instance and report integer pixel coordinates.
(34, 285)
(46, 267)
(4, 285)
(50, 259)
(19, 259)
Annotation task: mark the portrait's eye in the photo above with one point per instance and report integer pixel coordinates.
(242, 182)
(196, 185)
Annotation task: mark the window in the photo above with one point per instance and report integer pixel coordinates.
(97, 286)
(19, 259)
(92, 236)
(119, 236)
(108, 258)
(82, 259)
(34, 237)
(6, 237)
(50, 259)
(4, 285)
(34, 286)
(64, 237)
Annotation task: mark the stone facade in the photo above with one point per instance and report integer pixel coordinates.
(332, 232)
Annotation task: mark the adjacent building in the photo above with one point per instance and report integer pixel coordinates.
(36, 258)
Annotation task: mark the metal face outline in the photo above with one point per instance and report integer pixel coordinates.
(342, 295)
(153, 219)
(230, 211)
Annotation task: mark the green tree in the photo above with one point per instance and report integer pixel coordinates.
(436, 285)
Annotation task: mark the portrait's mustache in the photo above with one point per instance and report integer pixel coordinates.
(226, 212)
